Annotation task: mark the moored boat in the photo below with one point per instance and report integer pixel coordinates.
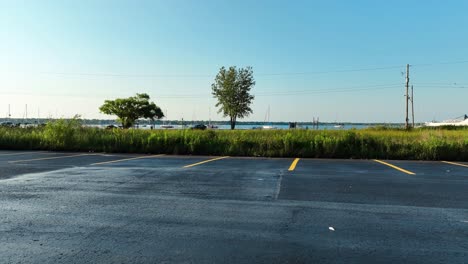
(459, 121)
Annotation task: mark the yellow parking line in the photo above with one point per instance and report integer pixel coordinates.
(61, 157)
(210, 160)
(395, 167)
(454, 163)
(293, 164)
(120, 160)
(20, 153)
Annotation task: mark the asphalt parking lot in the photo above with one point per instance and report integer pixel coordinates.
(123, 208)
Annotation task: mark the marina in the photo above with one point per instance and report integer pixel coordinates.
(264, 132)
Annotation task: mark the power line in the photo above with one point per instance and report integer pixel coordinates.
(444, 86)
(300, 92)
(332, 71)
(325, 91)
(124, 75)
(127, 75)
(350, 87)
(439, 83)
(440, 63)
(260, 93)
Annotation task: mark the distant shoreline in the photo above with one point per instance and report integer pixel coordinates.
(188, 122)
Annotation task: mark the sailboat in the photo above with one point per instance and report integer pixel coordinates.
(267, 120)
(25, 119)
(7, 123)
(211, 126)
(338, 125)
(166, 126)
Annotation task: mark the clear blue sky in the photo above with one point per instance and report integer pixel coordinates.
(337, 60)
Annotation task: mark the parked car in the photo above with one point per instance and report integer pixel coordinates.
(7, 124)
(199, 127)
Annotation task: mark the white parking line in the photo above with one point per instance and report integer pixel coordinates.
(50, 158)
(21, 153)
(206, 161)
(120, 160)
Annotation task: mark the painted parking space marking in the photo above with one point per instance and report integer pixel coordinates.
(29, 152)
(455, 163)
(293, 164)
(203, 162)
(395, 167)
(50, 158)
(127, 159)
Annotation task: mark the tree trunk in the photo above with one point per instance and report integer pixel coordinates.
(126, 123)
(233, 122)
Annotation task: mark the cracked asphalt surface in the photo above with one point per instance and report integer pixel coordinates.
(59, 208)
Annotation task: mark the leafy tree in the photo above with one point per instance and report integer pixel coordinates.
(232, 89)
(128, 110)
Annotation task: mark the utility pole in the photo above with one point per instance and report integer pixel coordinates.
(407, 97)
(412, 104)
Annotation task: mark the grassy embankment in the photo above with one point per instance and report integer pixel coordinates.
(423, 144)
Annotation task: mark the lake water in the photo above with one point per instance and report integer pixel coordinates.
(249, 127)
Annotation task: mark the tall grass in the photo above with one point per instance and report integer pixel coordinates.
(419, 144)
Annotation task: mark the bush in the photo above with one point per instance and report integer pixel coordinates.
(425, 144)
(62, 134)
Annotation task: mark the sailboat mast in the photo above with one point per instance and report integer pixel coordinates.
(267, 115)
